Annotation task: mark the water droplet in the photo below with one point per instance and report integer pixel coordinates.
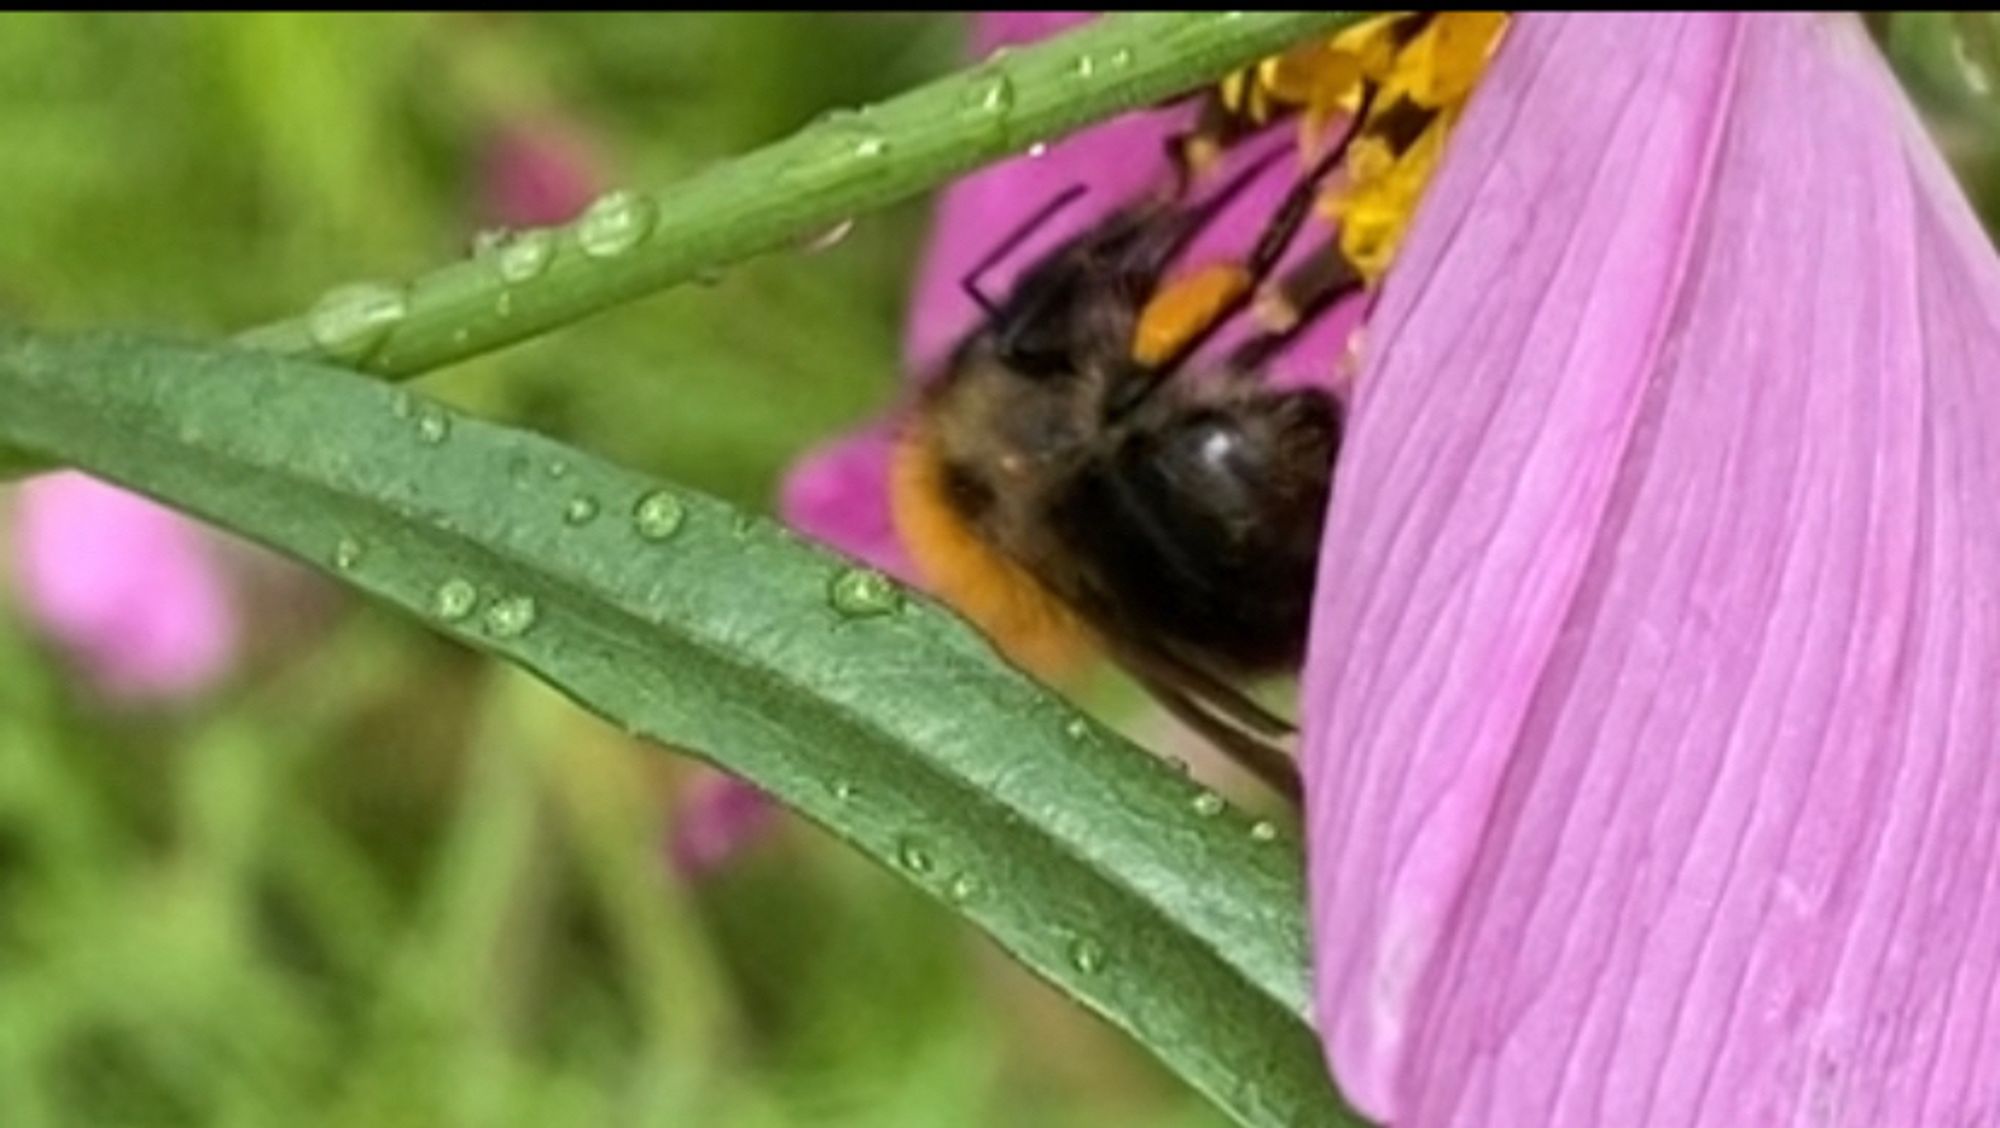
(862, 592)
(1086, 955)
(871, 145)
(658, 515)
(614, 224)
(1263, 831)
(915, 856)
(454, 599)
(580, 510)
(1119, 59)
(1208, 804)
(827, 239)
(963, 888)
(1085, 66)
(526, 255)
(995, 96)
(433, 426)
(511, 616)
(843, 790)
(347, 554)
(1038, 149)
(350, 322)
(487, 241)
(558, 469)
(1078, 729)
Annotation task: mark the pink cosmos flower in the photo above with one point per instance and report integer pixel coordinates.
(1652, 761)
(129, 589)
(1650, 715)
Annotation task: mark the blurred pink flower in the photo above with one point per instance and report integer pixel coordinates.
(129, 589)
(1652, 761)
(538, 171)
(716, 818)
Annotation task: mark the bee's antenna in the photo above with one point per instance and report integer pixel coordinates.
(1011, 243)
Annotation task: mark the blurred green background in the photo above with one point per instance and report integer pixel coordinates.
(375, 879)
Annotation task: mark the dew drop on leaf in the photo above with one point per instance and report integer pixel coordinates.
(580, 510)
(658, 515)
(994, 96)
(828, 239)
(525, 256)
(614, 224)
(863, 592)
(350, 322)
(433, 426)
(1263, 831)
(1208, 804)
(963, 888)
(347, 554)
(454, 599)
(915, 856)
(511, 616)
(487, 241)
(1086, 955)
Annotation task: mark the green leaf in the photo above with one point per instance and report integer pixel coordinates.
(871, 711)
(846, 164)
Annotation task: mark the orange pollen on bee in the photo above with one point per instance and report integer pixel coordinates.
(1024, 620)
(1181, 309)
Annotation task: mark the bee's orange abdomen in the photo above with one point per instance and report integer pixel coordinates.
(1028, 623)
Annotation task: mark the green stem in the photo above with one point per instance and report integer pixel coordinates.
(783, 194)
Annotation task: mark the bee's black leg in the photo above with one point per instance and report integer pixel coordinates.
(1277, 237)
(1310, 289)
(1268, 762)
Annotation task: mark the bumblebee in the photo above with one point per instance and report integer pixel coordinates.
(1074, 479)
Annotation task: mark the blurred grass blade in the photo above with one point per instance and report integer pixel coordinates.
(880, 717)
(846, 164)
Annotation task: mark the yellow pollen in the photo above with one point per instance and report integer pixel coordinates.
(1410, 82)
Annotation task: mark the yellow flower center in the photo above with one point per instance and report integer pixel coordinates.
(1409, 76)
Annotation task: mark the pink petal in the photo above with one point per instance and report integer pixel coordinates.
(839, 493)
(128, 587)
(1651, 764)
